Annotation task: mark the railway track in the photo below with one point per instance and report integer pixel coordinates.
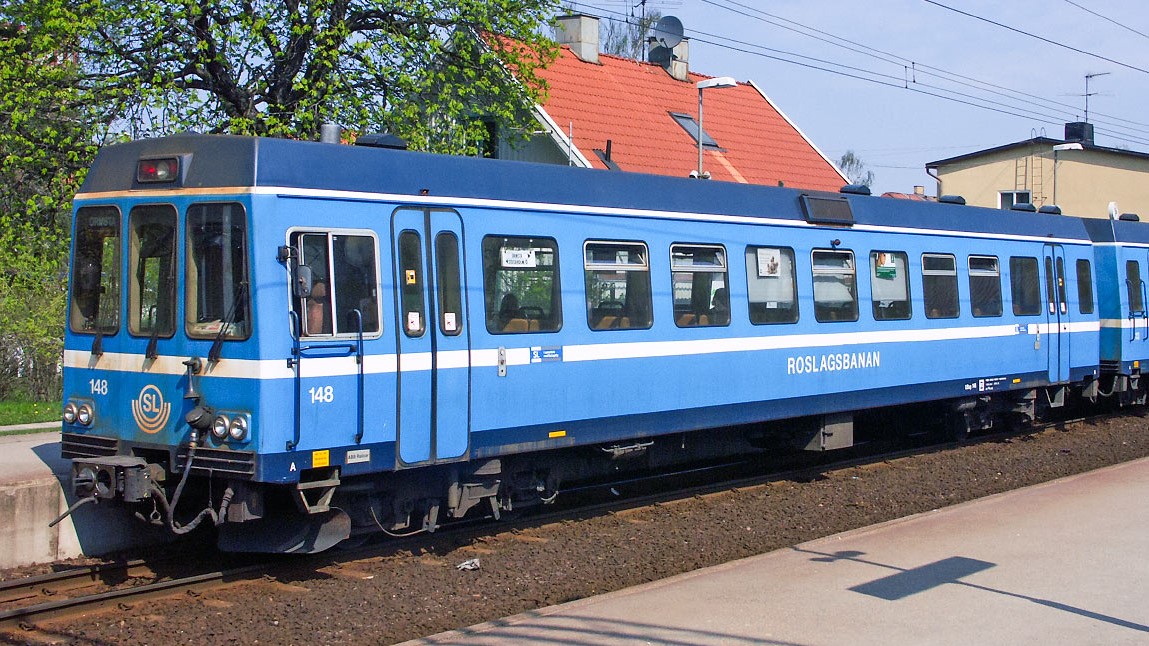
(28, 604)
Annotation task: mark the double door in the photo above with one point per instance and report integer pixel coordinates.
(433, 340)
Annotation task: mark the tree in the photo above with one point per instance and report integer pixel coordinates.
(855, 170)
(627, 37)
(47, 140)
(430, 71)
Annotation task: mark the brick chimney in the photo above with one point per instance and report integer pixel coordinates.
(580, 32)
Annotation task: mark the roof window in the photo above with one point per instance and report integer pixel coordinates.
(691, 127)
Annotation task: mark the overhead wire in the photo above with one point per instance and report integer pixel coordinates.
(909, 81)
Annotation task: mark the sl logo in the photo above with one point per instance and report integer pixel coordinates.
(150, 410)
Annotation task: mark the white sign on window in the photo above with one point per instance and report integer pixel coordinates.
(519, 258)
(769, 263)
(449, 321)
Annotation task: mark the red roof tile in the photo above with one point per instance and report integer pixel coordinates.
(629, 102)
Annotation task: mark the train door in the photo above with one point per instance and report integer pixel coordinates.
(433, 400)
(1056, 314)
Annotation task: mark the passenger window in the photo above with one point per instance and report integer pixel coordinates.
(940, 285)
(984, 286)
(617, 285)
(152, 273)
(1084, 287)
(450, 283)
(521, 284)
(1133, 284)
(835, 286)
(411, 291)
(699, 285)
(1025, 286)
(770, 285)
(890, 284)
(344, 280)
(217, 282)
(96, 271)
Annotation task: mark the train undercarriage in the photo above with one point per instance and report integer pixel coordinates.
(324, 509)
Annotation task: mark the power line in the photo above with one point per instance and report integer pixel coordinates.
(1024, 111)
(1041, 38)
(1108, 19)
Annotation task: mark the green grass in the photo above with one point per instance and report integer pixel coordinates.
(18, 412)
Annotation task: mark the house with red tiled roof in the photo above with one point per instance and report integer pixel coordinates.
(610, 112)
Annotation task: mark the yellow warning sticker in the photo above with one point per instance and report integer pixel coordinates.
(556, 434)
(409, 275)
(320, 458)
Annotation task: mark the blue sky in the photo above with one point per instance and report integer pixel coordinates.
(907, 51)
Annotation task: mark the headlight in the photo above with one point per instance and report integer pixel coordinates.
(70, 413)
(219, 427)
(84, 415)
(238, 428)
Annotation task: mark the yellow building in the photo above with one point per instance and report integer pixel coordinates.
(1074, 174)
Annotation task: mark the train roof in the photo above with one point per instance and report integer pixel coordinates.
(229, 162)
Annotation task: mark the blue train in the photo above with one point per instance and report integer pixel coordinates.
(301, 342)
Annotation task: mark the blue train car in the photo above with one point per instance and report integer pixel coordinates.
(303, 341)
(1121, 249)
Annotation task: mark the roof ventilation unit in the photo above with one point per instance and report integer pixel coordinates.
(382, 140)
(1129, 217)
(855, 189)
(952, 199)
(1050, 209)
(1023, 206)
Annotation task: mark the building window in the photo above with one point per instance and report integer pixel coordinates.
(1006, 199)
(691, 127)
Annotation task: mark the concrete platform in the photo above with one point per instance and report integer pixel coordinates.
(1060, 563)
(34, 490)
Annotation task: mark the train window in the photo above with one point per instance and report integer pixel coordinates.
(1084, 287)
(835, 286)
(771, 287)
(411, 291)
(450, 284)
(617, 285)
(1135, 286)
(1025, 286)
(152, 271)
(96, 271)
(985, 286)
(217, 291)
(345, 281)
(940, 285)
(699, 285)
(521, 284)
(890, 283)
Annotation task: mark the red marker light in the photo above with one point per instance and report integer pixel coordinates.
(157, 170)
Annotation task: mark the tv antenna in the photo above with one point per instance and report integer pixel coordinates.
(1088, 94)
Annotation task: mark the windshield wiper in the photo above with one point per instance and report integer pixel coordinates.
(228, 321)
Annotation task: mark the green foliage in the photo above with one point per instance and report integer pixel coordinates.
(46, 142)
(627, 37)
(855, 169)
(265, 67)
(28, 412)
(78, 73)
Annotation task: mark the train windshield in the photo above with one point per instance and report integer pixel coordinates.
(96, 271)
(152, 254)
(217, 273)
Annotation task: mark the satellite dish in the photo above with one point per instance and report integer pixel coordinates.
(667, 32)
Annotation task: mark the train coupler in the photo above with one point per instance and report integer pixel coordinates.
(113, 477)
